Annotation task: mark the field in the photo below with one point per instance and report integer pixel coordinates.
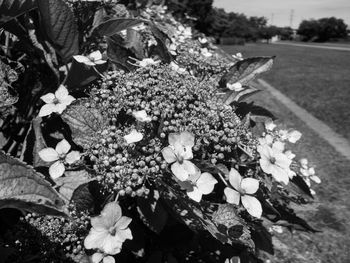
(319, 81)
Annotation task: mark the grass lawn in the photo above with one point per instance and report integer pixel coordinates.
(316, 79)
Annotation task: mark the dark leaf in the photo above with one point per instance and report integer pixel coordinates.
(10, 9)
(152, 211)
(161, 39)
(25, 189)
(84, 122)
(118, 53)
(33, 143)
(115, 25)
(246, 70)
(71, 181)
(299, 181)
(60, 27)
(262, 238)
(220, 221)
(244, 108)
(134, 43)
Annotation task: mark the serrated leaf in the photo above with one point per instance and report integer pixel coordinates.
(204, 216)
(152, 211)
(84, 122)
(246, 70)
(7, 95)
(71, 180)
(115, 25)
(25, 189)
(60, 27)
(10, 9)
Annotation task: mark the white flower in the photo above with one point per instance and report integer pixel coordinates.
(205, 52)
(238, 56)
(109, 230)
(95, 58)
(98, 257)
(172, 49)
(294, 136)
(147, 61)
(57, 102)
(59, 155)
(243, 189)
(203, 40)
(139, 27)
(178, 153)
(133, 136)
(270, 125)
(203, 184)
(141, 116)
(235, 86)
(176, 67)
(274, 162)
(289, 154)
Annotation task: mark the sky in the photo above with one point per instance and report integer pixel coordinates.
(279, 12)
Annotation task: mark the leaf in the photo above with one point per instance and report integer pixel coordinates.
(300, 182)
(161, 39)
(118, 53)
(10, 9)
(25, 189)
(262, 238)
(220, 221)
(3, 140)
(134, 43)
(71, 181)
(33, 143)
(152, 211)
(244, 108)
(246, 70)
(60, 27)
(8, 96)
(115, 25)
(84, 122)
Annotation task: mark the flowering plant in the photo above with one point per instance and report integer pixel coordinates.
(163, 144)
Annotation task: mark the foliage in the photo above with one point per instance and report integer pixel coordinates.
(145, 134)
(322, 29)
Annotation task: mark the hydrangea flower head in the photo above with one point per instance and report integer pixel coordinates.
(59, 155)
(56, 102)
(178, 153)
(109, 230)
(242, 191)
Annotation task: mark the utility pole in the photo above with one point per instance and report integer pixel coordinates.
(291, 18)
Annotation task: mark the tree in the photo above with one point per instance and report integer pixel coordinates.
(322, 29)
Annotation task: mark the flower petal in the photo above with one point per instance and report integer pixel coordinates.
(169, 155)
(95, 239)
(67, 100)
(100, 62)
(108, 259)
(48, 154)
(48, 98)
(81, 59)
(62, 147)
(179, 171)
(124, 234)
(173, 138)
(96, 55)
(232, 196)
(112, 245)
(280, 174)
(316, 179)
(187, 139)
(56, 170)
(206, 183)
(61, 93)
(133, 136)
(278, 146)
(97, 257)
(252, 205)
(72, 157)
(294, 136)
(47, 109)
(195, 195)
(235, 178)
(123, 222)
(250, 185)
(110, 215)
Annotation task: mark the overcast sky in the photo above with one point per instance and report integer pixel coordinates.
(278, 12)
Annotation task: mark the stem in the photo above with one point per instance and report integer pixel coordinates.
(222, 179)
(99, 73)
(116, 198)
